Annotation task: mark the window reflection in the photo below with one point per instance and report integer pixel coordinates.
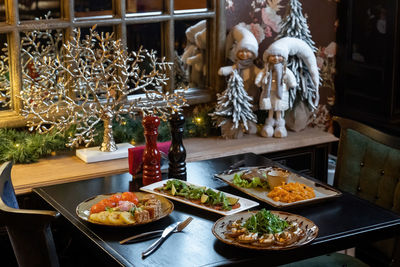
(2, 11)
(5, 89)
(190, 47)
(137, 6)
(90, 8)
(147, 36)
(31, 9)
(369, 32)
(184, 4)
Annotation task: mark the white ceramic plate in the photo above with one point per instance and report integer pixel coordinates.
(245, 203)
(310, 229)
(322, 191)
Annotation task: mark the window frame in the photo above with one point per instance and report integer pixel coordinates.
(120, 20)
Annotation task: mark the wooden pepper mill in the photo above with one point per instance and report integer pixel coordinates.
(151, 154)
(177, 152)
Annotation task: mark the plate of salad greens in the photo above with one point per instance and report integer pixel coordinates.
(200, 196)
(265, 230)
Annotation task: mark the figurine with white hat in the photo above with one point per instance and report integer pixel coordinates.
(242, 49)
(275, 80)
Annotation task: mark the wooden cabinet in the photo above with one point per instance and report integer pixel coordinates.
(367, 80)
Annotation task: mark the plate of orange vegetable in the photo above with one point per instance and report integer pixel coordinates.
(294, 189)
(124, 209)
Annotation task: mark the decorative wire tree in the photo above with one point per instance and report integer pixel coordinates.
(233, 107)
(88, 81)
(295, 25)
(5, 88)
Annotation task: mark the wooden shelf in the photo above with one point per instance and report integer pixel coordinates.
(68, 168)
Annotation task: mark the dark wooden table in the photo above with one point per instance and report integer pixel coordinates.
(343, 222)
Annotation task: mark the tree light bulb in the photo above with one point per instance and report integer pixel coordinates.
(198, 120)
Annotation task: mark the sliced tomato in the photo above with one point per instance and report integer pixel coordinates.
(107, 202)
(96, 208)
(131, 197)
(115, 198)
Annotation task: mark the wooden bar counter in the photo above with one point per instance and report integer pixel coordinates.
(67, 167)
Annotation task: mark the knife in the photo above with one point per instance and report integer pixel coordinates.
(164, 236)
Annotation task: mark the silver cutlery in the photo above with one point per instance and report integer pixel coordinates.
(152, 234)
(158, 242)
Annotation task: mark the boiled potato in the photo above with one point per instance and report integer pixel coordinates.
(127, 217)
(115, 218)
(101, 217)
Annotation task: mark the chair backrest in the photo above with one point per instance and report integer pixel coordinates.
(368, 164)
(7, 193)
(29, 230)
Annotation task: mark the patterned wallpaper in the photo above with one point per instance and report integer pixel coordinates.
(264, 17)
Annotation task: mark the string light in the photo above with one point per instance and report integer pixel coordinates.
(198, 120)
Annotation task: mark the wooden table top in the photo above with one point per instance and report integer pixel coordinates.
(68, 168)
(343, 222)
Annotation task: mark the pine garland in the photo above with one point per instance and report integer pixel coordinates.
(24, 147)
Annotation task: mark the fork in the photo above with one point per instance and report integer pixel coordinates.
(156, 233)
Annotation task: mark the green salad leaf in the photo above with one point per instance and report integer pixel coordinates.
(196, 192)
(264, 222)
(255, 182)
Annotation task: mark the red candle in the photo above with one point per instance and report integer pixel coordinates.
(151, 154)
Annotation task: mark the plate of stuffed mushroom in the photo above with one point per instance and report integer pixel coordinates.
(265, 230)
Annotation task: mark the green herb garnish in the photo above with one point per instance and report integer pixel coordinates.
(264, 222)
(133, 210)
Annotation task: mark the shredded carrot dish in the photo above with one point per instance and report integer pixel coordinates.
(291, 192)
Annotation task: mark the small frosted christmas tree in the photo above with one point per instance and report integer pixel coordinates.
(295, 25)
(233, 109)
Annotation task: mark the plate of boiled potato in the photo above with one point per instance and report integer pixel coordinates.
(124, 209)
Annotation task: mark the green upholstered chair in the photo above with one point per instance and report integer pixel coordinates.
(368, 165)
(28, 230)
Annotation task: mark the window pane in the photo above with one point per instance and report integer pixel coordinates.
(190, 47)
(90, 8)
(31, 9)
(137, 6)
(5, 98)
(369, 34)
(184, 4)
(2, 11)
(146, 35)
(149, 37)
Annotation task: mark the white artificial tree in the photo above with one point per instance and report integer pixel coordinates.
(234, 108)
(294, 24)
